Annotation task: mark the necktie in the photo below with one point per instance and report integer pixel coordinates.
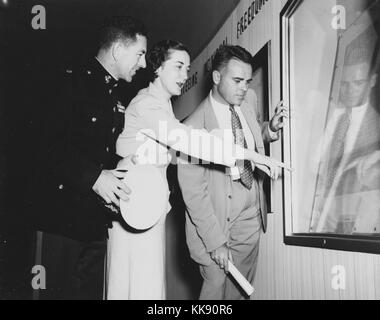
(337, 146)
(245, 166)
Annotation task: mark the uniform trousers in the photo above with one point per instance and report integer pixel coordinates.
(74, 269)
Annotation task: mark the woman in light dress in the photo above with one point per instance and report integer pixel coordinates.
(136, 260)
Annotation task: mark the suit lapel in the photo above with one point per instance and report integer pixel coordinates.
(368, 130)
(211, 122)
(254, 126)
(368, 138)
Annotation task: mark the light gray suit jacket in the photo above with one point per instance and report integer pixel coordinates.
(207, 190)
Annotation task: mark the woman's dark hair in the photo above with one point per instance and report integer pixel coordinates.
(226, 52)
(161, 52)
(117, 28)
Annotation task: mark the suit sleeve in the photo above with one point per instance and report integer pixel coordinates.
(63, 160)
(115, 160)
(267, 134)
(199, 205)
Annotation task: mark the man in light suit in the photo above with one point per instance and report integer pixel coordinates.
(226, 209)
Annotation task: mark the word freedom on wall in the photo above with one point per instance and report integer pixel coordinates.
(248, 16)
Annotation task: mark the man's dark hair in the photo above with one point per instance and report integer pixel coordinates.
(161, 52)
(122, 28)
(227, 52)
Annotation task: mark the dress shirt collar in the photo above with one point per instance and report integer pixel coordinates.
(217, 104)
(361, 107)
(356, 111)
(360, 110)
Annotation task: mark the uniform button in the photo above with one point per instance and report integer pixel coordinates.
(108, 149)
(110, 91)
(113, 130)
(229, 197)
(94, 119)
(88, 72)
(228, 219)
(60, 187)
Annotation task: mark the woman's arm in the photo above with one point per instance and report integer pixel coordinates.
(270, 166)
(160, 125)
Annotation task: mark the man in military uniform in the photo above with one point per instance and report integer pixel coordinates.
(78, 177)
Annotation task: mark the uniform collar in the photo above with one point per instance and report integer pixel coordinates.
(108, 79)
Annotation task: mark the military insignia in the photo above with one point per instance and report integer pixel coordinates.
(120, 107)
(107, 79)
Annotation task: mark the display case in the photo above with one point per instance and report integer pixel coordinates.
(330, 67)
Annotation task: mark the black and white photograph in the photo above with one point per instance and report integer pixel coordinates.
(190, 151)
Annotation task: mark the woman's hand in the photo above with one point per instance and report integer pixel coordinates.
(270, 166)
(272, 171)
(127, 162)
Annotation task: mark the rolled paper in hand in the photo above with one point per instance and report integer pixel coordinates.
(243, 282)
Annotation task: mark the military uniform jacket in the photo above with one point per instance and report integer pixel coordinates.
(81, 132)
